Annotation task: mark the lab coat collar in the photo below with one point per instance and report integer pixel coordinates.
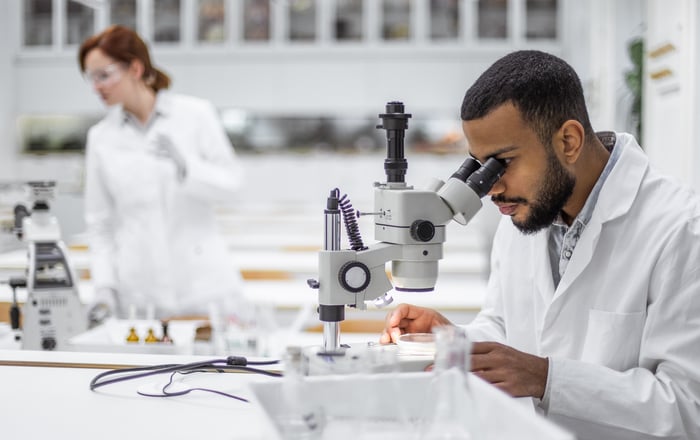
(615, 200)
(163, 103)
(620, 189)
(160, 108)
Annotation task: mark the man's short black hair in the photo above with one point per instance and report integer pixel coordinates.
(544, 88)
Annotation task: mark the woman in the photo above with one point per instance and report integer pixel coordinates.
(155, 167)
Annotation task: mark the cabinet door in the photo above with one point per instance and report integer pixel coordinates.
(541, 19)
(123, 12)
(349, 19)
(256, 20)
(167, 21)
(444, 19)
(38, 23)
(302, 20)
(211, 22)
(80, 22)
(396, 19)
(492, 19)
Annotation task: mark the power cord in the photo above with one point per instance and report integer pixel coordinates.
(231, 363)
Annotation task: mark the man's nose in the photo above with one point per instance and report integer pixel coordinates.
(497, 188)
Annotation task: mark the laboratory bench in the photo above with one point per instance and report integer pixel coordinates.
(47, 395)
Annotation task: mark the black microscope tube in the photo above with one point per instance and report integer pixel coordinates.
(395, 122)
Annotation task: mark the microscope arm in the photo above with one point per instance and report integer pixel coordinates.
(350, 277)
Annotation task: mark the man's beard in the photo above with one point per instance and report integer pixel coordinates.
(555, 189)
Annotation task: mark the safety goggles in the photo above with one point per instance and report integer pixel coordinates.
(106, 76)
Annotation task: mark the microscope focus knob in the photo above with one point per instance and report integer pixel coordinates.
(422, 230)
(48, 343)
(354, 276)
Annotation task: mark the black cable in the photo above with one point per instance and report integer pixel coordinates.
(166, 393)
(232, 363)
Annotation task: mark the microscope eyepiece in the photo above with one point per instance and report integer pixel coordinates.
(466, 169)
(394, 107)
(395, 122)
(485, 177)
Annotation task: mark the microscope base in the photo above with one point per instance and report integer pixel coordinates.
(359, 358)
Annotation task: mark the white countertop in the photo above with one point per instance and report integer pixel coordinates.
(47, 395)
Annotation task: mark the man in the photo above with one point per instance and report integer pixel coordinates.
(593, 303)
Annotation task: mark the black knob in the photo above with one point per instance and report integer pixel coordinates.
(354, 276)
(422, 230)
(48, 343)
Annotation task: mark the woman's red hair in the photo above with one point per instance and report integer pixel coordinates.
(125, 45)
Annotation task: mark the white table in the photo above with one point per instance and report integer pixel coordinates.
(46, 395)
(52, 400)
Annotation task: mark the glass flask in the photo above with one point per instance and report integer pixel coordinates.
(451, 414)
(379, 373)
(299, 417)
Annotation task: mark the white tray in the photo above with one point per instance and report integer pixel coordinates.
(343, 397)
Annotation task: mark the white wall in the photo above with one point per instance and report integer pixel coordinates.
(276, 81)
(670, 104)
(7, 107)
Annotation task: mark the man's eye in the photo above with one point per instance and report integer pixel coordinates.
(505, 161)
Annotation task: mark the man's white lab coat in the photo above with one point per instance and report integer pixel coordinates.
(622, 329)
(153, 238)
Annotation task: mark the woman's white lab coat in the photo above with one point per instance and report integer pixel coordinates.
(153, 238)
(622, 329)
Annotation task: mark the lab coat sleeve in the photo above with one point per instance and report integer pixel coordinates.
(213, 170)
(99, 219)
(488, 324)
(661, 397)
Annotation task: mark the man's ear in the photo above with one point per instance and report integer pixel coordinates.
(569, 140)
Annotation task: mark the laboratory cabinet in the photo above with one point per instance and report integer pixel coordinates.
(57, 24)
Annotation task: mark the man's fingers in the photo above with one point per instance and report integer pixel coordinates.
(484, 347)
(385, 338)
(389, 336)
(394, 317)
(395, 334)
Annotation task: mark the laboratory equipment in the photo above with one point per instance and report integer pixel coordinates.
(451, 411)
(132, 336)
(417, 344)
(53, 311)
(404, 396)
(409, 227)
(301, 418)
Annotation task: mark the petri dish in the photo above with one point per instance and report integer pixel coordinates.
(416, 344)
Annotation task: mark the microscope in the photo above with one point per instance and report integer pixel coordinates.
(52, 311)
(409, 227)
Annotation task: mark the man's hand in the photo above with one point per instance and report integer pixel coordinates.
(518, 374)
(407, 318)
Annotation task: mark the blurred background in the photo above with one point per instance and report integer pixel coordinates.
(299, 84)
